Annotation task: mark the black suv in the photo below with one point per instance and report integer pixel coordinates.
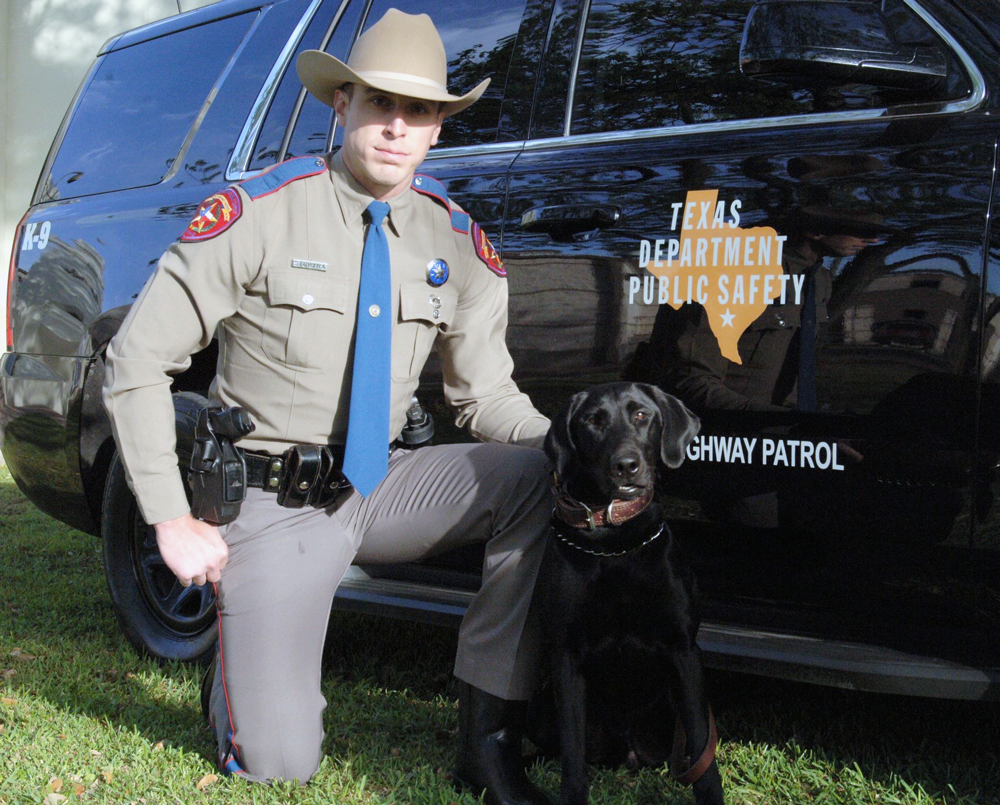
(779, 210)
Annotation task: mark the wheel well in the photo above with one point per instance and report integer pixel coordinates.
(97, 445)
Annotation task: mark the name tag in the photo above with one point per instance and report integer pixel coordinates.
(309, 264)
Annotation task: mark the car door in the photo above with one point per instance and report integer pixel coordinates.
(719, 198)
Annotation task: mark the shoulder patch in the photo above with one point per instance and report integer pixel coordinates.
(486, 252)
(429, 186)
(215, 215)
(281, 174)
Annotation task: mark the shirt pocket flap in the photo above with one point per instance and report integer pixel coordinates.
(423, 303)
(307, 293)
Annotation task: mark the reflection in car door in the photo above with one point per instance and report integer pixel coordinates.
(803, 269)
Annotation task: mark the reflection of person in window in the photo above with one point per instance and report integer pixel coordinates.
(778, 349)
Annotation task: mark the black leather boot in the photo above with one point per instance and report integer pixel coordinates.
(489, 749)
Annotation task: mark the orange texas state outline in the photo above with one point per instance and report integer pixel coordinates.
(736, 275)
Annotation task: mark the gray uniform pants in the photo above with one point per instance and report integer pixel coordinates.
(285, 564)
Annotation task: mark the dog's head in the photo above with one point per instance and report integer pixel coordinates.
(608, 441)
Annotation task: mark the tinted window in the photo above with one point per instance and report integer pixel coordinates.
(272, 133)
(139, 107)
(312, 129)
(656, 63)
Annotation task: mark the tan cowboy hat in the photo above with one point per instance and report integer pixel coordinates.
(821, 220)
(401, 53)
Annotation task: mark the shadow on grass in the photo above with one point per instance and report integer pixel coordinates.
(948, 748)
(392, 716)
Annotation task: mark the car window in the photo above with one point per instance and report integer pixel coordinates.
(312, 127)
(314, 119)
(659, 63)
(138, 108)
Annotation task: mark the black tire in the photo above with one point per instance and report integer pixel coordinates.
(159, 617)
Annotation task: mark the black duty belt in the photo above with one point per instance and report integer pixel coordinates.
(304, 475)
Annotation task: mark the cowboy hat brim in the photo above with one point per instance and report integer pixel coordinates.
(323, 74)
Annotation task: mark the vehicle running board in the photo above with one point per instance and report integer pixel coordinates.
(840, 663)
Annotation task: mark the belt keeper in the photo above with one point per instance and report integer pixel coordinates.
(275, 467)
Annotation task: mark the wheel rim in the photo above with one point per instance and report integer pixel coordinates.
(184, 610)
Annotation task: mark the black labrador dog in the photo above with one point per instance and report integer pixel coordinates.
(618, 601)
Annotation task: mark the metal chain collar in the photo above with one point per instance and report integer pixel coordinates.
(579, 547)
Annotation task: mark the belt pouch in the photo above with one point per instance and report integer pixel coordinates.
(331, 482)
(303, 473)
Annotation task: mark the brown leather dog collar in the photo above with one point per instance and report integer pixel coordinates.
(578, 514)
(681, 767)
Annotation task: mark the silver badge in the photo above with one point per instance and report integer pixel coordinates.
(437, 272)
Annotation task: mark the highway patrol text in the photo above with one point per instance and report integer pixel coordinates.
(766, 452)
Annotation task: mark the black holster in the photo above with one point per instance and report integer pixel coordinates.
(218, 476)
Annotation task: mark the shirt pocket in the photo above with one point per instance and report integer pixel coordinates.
(422, 312)
(304, 320)
(764, 346)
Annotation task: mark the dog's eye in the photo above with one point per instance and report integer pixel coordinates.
(641, 415)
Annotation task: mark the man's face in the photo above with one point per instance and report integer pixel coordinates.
(386, 136)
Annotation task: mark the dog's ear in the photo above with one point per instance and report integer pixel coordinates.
(559, 446)
(680, 426)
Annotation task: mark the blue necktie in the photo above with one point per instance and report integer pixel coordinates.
(366, 455)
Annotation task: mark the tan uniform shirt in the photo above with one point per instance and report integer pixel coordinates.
(285, 331)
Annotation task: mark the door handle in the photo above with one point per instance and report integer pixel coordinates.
(563, 221)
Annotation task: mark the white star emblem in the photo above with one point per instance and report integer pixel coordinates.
(727, 318)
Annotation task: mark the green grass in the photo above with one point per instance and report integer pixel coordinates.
(77, 704)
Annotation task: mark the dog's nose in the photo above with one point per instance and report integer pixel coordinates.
(626, 466)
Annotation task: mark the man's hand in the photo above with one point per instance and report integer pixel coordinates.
(192, 549)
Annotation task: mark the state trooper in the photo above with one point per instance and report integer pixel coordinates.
(327, 282)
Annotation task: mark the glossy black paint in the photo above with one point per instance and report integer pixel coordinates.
(890, 531)
(98, 251)
(898, 545)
